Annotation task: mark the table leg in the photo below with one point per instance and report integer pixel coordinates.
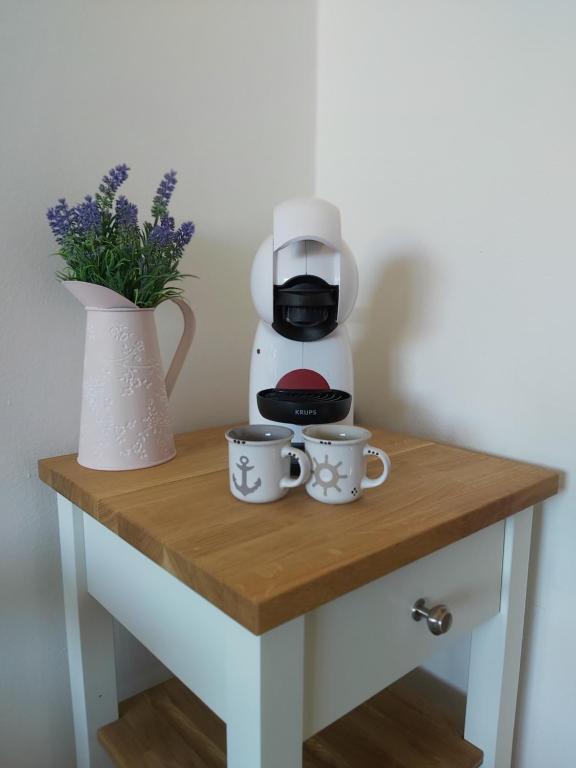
(495, 653)
(265, 681)
(90, 642)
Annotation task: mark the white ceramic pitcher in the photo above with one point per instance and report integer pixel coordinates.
(124, 422)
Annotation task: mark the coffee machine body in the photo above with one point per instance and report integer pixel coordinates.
(304, 284)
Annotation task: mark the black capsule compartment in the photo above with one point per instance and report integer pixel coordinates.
(305, 308)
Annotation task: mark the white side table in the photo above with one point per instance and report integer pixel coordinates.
(283, 618)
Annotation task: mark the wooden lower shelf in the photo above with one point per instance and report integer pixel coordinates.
(168, 727)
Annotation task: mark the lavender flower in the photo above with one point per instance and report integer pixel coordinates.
(163, 195)
(116, 177)
(86, 216)
(102, 242)
(184, 234)
(126, 213)
(59, 220)
(161, 235)
(79, 220)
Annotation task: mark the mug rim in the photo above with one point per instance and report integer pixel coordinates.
(259, 429)
(332, 433)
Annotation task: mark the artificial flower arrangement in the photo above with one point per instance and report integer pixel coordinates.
(102, 242)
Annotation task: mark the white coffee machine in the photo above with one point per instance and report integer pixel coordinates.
(304, 285)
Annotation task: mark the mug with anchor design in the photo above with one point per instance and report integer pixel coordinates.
(259, 462)
(339, 456)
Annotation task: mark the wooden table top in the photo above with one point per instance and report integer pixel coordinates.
(264, 564)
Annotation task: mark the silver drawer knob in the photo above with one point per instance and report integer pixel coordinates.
(438, 618)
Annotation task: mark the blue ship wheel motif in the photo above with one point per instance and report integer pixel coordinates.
(243, 487)
(326, 475)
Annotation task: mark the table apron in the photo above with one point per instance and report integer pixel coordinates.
(186, 632)
(354, 646)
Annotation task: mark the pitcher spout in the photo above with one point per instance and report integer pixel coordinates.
(92, 295)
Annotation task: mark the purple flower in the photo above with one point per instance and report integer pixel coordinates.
(59, 220)
(79, 220)
(184, 234)
(113, 181)
(100, 239)
(86, 216)
(126, 213)
(161, 235)
(163, 195)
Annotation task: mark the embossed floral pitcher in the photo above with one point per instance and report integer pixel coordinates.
(124, 422)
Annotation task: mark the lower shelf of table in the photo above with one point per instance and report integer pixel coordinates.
(168, 727)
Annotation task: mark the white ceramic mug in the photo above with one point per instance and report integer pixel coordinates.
(259, 462)
(339, 455)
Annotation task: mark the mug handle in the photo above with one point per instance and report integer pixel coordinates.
(304, 464)
(372, 482)
(183, 344)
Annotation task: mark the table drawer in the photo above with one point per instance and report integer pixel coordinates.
(361, 642)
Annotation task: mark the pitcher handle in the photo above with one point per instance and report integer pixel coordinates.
(183, 344)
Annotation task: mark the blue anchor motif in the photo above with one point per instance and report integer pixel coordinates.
(244, 488)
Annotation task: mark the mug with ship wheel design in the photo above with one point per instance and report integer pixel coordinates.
(338, 454)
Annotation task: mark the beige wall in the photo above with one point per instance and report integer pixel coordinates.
(446, 135)
(221, 91)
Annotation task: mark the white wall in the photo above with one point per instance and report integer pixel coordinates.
(446, 133)
(221, 91)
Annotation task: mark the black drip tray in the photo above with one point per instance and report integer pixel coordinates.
(304, 406)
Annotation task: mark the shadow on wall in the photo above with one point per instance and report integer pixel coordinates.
(395, 316)
(398, 315)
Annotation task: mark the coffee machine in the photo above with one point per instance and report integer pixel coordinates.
(304, 284)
